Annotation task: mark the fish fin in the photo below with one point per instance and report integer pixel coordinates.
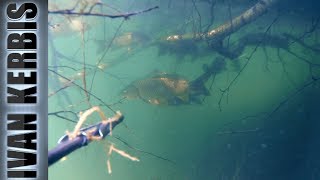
(184, 97)
(157, 73)
(177, 101)
(198, 88)
(195, 100)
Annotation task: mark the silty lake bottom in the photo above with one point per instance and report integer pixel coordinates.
(258, 119)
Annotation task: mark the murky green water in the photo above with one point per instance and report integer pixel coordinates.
(261, 129)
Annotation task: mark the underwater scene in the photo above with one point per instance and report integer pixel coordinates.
(206, 89)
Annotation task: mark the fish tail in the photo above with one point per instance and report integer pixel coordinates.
(198, 85)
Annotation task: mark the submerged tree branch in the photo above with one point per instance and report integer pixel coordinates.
(219, 33)
(90, 13)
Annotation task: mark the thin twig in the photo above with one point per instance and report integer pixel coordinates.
(89, 13)
(245, 65)
(99, 99)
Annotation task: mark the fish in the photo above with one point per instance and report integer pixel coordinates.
(131, 38)
(160, 89)
(127, 40)
(172, 89)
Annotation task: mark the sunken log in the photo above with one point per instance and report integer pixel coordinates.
(219, 33)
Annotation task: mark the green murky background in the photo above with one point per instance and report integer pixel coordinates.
(195, 137)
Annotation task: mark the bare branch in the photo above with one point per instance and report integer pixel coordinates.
(89, 13)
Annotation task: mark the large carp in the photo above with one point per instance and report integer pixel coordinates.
(172, 89)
